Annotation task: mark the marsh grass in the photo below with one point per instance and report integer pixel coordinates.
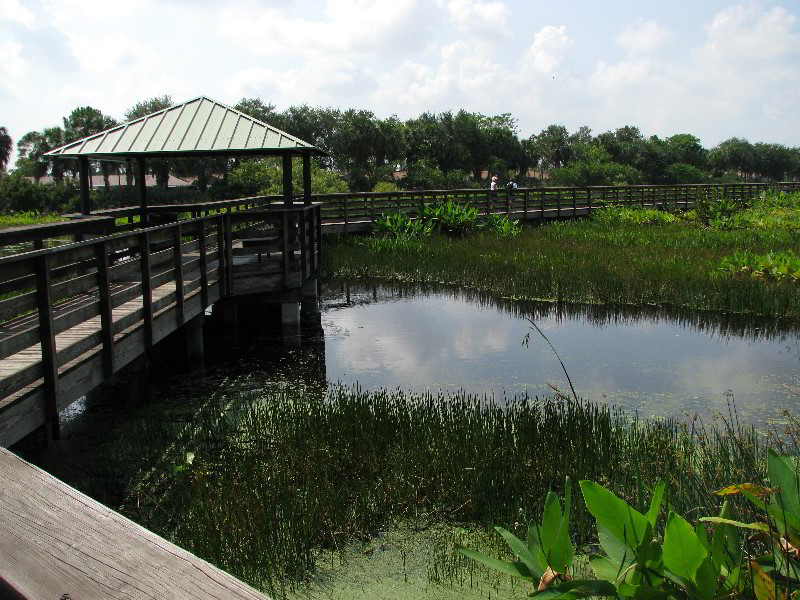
(263, 479)
(671, 264)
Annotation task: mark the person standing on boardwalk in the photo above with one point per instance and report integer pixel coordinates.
(493, 185)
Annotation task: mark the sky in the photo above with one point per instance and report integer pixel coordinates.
(714, 68)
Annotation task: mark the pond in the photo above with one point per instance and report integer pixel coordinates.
(656, 362)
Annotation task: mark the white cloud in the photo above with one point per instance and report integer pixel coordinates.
(643, 35)
(12, 68)
(548, 48)
(12, 10)
(487, 19)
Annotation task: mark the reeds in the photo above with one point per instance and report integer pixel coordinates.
(591, 261)
(264, 478)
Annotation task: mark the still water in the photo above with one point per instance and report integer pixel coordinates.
(651, 361)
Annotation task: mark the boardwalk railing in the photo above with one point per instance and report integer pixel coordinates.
(359, 211)
(348, 212)
(73, 315)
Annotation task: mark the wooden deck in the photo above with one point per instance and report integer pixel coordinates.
(76, 314)
(56, 542)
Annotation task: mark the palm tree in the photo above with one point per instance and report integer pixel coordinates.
(6, 145)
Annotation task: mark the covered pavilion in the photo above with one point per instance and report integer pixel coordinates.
(198, 128)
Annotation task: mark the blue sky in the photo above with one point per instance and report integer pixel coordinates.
(714, 68)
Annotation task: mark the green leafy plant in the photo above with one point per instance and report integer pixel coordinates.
(401, 225)
(635, 561)
(451, 218)
(784, 266)
(775, 573)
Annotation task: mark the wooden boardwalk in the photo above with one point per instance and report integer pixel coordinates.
(76, 314)
(56, 542)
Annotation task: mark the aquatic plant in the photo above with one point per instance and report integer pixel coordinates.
(780, 266)
(276, 473)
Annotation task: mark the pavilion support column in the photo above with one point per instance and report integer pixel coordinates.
(83, 164)
(195, 353)
(306, 179)
(287, 179)
(142, 181)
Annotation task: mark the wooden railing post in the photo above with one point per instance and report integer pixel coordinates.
(303, 249)
(525, 204)
(177, 258)
(558, 201)
(318, 248)
(229, 255)
(285, 224)
(574, 201)
(201, 239)
(147, 289)
(106, 315)
(221, 278)
(589, 199)
(47, 338)
(344, 207)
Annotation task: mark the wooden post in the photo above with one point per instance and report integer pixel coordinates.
(525, 204)
(303, 250)
(221, 281)
(589, 199)
(306, 179)
(47, 339)
(285, 224)
(201, 239)
(177, 261)
(228, 255)
(141, 175)
(574, 201)
(344, 206)
(106, 316)
(83, 168)
(147, 289)
(287, 179)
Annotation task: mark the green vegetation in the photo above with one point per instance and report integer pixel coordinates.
(27, 218)
(619, 256)
(264, 476)
(638, 562)
(449, 218)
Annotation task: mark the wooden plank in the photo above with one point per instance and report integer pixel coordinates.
(56, 541)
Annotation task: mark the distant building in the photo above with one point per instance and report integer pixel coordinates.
(97, 181)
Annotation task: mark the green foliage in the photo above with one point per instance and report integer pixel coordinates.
(401, 225)
(385, 186)
(616, 215)
(773, 266)
(264, 177)
(18, 194)
(451, 218)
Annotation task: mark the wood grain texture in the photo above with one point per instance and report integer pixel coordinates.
(55, 540)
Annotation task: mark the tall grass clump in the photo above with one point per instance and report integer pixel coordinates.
(263, 479)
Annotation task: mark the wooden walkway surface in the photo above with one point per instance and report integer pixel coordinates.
(56, 542)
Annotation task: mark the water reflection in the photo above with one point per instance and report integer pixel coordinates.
(652, 360)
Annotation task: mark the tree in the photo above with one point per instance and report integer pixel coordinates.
(686, 148)
(256, 108)
(6, 145)
(734, 154)
(554, 145)
(160, 168)
(85, 121)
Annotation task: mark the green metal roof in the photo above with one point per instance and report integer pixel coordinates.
(199, 127)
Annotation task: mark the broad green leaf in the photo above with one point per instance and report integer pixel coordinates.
(534, 543)
(521, 551)
(734, 580)
(706, 579)
(559, 557)
(616, 550)
(642, 591)
(702, 535)
(515, 569)
(576, 588)
(604, 568)
(683, 552)
(622, 521)
(783, 475)
(655, 503)
(551, 521)
(718, 539)
(754, 526)
(738, 488)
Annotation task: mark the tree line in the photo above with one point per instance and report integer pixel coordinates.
(434, 150)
